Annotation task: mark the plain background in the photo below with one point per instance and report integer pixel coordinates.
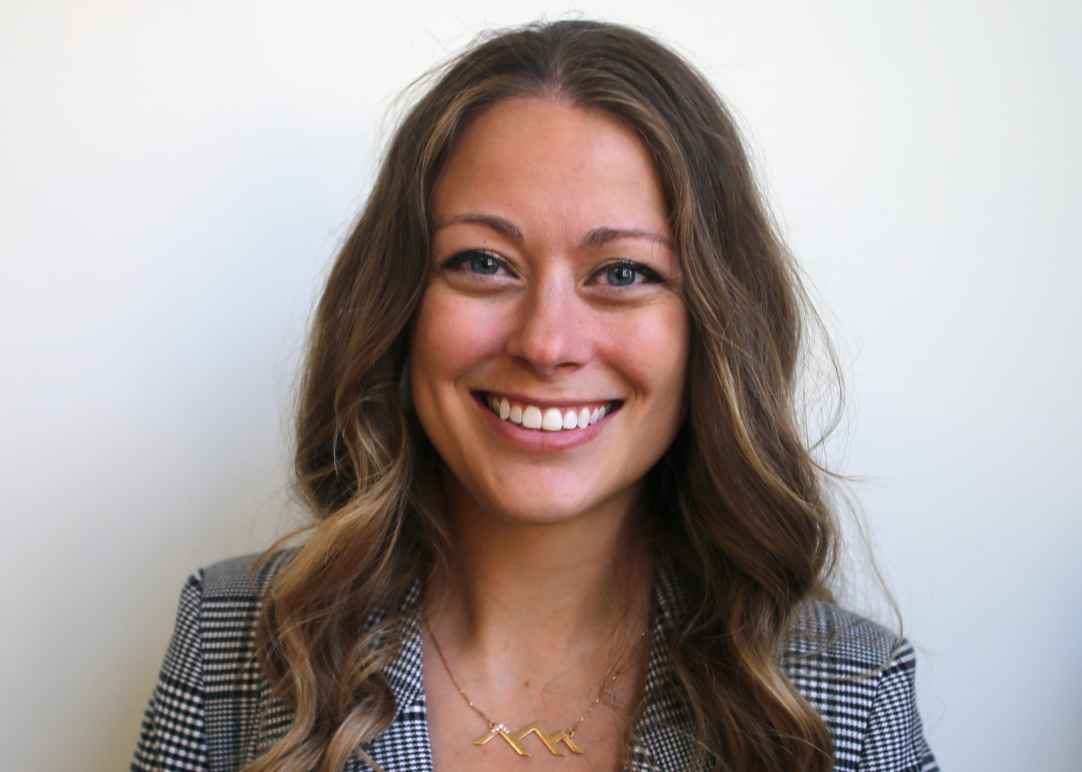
(176, 177)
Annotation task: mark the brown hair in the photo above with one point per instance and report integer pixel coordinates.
(752, 535)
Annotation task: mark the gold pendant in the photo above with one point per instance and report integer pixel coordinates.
(514, 739)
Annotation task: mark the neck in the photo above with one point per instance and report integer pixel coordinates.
(555, 588)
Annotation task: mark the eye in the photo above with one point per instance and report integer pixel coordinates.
(625, 272)
(477, 262)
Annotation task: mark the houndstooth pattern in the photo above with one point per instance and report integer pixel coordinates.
(212, 711)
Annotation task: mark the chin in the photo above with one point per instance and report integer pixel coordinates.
(537, 514)
(548, 509)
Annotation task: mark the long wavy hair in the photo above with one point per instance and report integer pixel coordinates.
(738, 500)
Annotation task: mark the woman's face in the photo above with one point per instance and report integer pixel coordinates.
(553, 304)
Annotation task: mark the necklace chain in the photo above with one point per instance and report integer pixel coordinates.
(616, 672)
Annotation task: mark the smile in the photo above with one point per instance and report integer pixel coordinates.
(547, 418)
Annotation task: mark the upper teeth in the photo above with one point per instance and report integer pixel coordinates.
(551, 419)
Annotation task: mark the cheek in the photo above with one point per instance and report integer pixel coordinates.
(653, 350)
(451, 334)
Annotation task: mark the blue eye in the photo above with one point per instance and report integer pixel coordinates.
(482, 263)
(625, 272)
(620, 275)
(476, 261)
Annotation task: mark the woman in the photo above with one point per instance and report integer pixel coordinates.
(564, 517)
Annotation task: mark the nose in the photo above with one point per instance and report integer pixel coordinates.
(550, 332)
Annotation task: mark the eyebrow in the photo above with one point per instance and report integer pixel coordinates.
(596, 237)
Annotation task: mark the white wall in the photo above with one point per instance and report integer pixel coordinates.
(174, 178)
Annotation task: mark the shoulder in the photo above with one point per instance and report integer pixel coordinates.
(224, 594)
(842, 636)
(239, 578)
(860, 676)
(223, 601)
(220, 603)
(239, 710)
(218, 614)
(210, 689)
(836, 658)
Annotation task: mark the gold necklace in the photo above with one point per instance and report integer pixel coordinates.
(551, 741)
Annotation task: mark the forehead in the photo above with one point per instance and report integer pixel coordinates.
(539, 161)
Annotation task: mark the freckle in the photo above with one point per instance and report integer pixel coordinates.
(527, 683)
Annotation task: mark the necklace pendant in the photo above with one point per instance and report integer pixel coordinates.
(514, 739)
(502, 731)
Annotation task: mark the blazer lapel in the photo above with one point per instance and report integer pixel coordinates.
(405, 745)
(661, 740)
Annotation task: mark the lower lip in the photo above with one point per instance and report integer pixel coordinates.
(539, 439)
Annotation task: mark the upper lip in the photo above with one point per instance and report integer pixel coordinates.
(523, 399)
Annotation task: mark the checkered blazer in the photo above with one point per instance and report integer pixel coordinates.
(212, 708)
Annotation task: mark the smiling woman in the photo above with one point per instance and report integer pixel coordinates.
(563, 515)
(554, 265)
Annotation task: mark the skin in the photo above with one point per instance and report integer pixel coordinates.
(552, 582)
